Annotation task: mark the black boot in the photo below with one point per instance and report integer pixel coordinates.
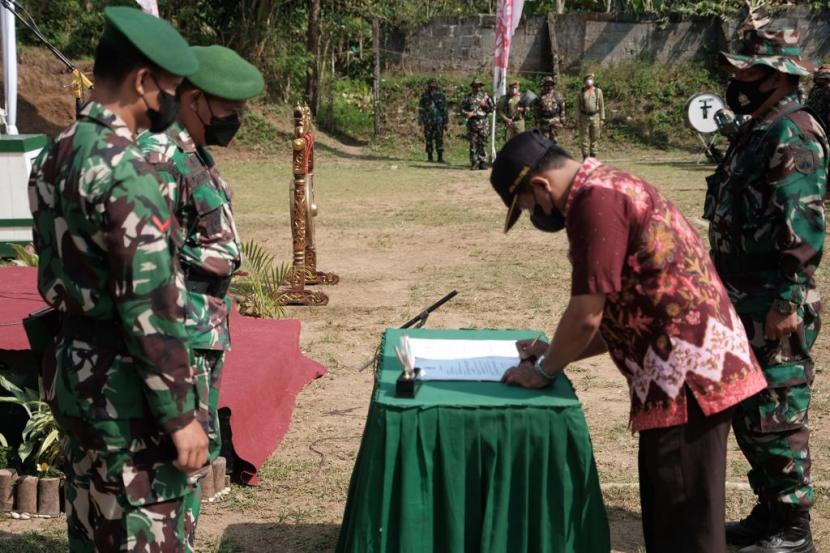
(791, 533)
(751, 529)
(440, 156)
(429, 155)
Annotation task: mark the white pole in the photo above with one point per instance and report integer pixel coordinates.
(9, 68)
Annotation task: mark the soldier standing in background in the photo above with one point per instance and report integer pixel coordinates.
(475, 107)
(432, 113)
(766, 233)
(590, 113)
(550, 110)
(212, 101)
(510, 112)
(819, 99)
(118, 377)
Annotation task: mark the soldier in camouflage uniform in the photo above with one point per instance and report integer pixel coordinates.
(432, 113)
(118, 377)
(511, 113)
(766, 233)
(590, 113)
(550, 110)
(819, 99)
(212, 99)
(475, 107)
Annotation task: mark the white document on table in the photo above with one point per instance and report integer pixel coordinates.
(483, 360)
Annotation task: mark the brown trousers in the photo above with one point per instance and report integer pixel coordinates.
(682, 483)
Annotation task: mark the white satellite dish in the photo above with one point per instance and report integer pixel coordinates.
(701, 109)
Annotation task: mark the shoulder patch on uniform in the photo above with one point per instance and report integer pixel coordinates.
(805, 161)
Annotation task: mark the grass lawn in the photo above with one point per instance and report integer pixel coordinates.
(401, 233)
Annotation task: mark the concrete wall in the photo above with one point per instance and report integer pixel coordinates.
(466, 45)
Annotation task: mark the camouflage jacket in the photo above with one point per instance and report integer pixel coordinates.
(819, 101)
(211, 248)
(590, 102)
(550, 109)
(481, 105)
(105, 236)
(508, 109)
(432, 109)
(765, 209)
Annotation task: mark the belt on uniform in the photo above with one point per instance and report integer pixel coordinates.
(744, 265)
(105, 333)
(589, 114)
(211, 285)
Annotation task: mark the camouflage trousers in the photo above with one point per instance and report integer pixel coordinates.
(105, 514)
(434, 138)
(478, 135)
(548, 129)
(589, 129)
(208, 365)
(772, 427)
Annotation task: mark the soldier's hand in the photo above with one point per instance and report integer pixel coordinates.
(780, 326)
(191, 447)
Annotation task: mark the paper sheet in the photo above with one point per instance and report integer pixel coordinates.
(482, 360)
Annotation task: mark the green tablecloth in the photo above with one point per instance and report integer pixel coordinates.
(473, 467)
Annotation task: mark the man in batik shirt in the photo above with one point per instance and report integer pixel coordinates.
(643, 289)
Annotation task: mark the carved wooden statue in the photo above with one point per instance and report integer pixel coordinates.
(303, 210)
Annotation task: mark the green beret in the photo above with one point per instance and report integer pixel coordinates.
(224, 74)
(152, 36)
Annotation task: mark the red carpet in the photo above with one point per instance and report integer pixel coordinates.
(18, 298)
(263, 373)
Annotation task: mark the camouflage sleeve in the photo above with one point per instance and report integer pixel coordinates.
(137, 224)
(489, 105)
(797, 175)
(422, 112)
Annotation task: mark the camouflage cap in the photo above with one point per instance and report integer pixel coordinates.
(155, 38)
(515, 83)
(775, 48)
(548, 80)
(432, 82)
(476, 82)
(225, 74)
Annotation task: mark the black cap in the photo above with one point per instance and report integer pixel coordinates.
(514, 163)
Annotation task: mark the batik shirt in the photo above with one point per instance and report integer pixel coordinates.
(211, 248)
(105, 237)
(668, 321)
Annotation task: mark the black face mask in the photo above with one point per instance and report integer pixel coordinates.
(547, 223)
(745, 97)
(220, 130)
(162, 118)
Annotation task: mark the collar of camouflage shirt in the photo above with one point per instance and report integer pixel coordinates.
(181, 137)
(100, 114)
(772, 115)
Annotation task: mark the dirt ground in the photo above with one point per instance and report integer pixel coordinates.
(401, 234)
